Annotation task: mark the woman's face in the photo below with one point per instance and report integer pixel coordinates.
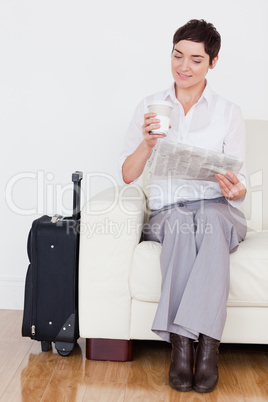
(190, 64)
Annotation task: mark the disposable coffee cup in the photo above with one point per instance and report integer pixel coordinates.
(163, 111)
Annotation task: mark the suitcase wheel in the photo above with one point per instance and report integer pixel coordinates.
(64, 348)
(64, 353)
(45, 346)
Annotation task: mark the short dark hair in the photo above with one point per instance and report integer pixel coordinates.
(200, 31)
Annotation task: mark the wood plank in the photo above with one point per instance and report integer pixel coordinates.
(147, 373)
(252, 371)
(12, 354)
(107, 382)
(105, 392)
(31, 390)
(11, 331)
(109, 372)
(66, 386)
(39, 364)
(32, 375)
(171, 395)
(76, 361)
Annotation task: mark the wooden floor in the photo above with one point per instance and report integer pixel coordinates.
(27, 374)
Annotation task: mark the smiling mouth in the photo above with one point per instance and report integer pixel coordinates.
(184, 76)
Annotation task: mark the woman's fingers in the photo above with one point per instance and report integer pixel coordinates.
(150, 123)
(231, 189)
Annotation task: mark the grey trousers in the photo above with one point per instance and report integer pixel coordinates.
(197, 239)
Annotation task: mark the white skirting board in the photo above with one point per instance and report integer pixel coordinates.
(11, 293)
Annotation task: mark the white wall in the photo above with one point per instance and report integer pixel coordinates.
(71, 74)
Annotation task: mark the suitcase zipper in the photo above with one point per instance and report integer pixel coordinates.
(34, 263)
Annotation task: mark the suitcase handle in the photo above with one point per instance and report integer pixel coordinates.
(76, 178)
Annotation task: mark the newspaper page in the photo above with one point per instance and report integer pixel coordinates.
(180, 161)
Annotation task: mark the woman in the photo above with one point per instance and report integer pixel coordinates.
(197, 222)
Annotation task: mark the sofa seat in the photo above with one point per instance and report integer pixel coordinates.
(248, 270)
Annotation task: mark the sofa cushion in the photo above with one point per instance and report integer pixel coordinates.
(249, 272)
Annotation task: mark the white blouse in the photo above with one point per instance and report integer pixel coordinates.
(212, 123)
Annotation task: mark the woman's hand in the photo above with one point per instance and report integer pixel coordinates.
(233, 190)
(135, 163)
(151, 123)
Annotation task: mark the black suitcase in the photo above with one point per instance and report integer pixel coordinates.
(51, 286)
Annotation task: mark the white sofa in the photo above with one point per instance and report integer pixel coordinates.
(120, 278)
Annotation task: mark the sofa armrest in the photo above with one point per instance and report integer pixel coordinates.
(111, 226)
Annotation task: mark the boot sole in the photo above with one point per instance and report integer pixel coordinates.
(204, 390)
(181, 389)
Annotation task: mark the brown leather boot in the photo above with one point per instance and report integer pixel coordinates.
(206, 365)
(182, 361)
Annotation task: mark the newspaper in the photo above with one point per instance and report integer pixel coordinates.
(172, 160)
